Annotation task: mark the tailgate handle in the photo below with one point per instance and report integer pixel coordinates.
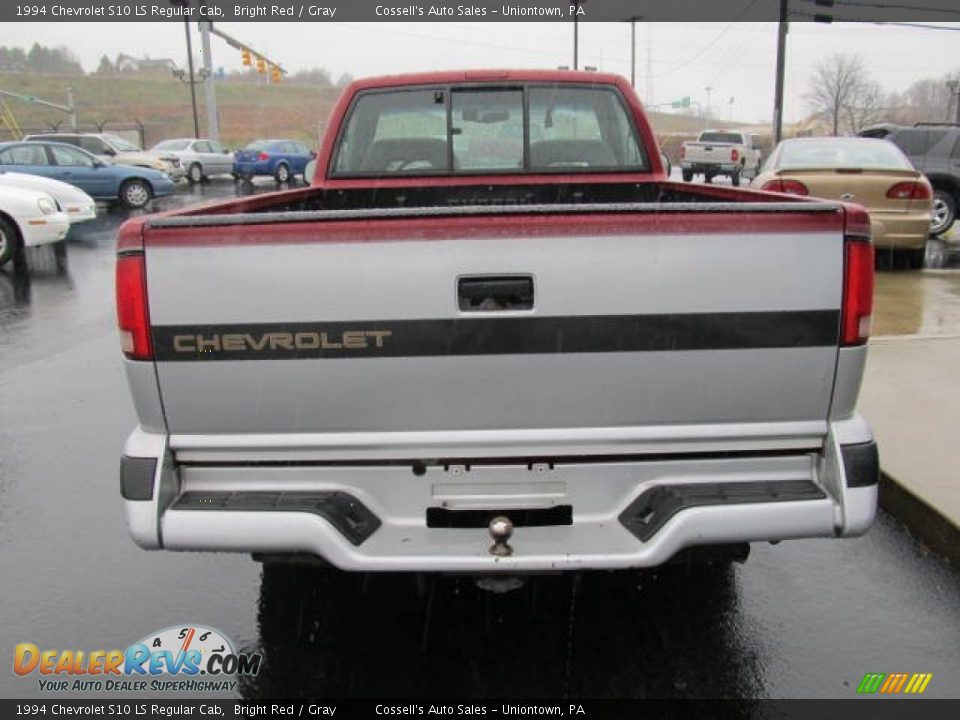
(493, 292)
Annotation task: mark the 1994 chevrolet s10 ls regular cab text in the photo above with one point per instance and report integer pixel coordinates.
(491, 312)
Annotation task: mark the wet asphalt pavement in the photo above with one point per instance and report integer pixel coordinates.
(800, 619)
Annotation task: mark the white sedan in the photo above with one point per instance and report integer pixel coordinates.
(28, 218)
(73, 201)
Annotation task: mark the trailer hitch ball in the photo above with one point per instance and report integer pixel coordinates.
(501, 529)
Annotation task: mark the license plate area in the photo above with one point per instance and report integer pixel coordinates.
(520, 517)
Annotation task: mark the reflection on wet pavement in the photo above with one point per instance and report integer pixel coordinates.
(326, 634)
(923, 302)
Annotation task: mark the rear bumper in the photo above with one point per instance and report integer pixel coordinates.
(625, 513)
(904, 231)
(252, 168)
(716, 168)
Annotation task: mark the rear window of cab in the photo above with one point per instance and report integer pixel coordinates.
(498, 129)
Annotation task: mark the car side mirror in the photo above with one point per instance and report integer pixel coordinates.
(99, 163)
(309, 171)
(109, 151)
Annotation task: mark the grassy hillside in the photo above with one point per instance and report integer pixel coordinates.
(247, 111)
(162, 104)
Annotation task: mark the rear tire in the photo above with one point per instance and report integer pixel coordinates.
(282, 173)
(195, 174)
(944, 211)
(135, 194)
(687, 175)
(9, 241)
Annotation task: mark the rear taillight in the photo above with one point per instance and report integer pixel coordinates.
(263, 156)
(792, 187)
(734, 155)
(683, 152)
(133, 313)
(910, 190)
(857, 291)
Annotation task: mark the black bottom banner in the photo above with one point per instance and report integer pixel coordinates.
(853, 709)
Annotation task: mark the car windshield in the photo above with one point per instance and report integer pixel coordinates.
(172, 145)
(120, 144)
(842, 154)
(722, 137)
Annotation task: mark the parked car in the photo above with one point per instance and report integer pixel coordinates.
(934, 150)
(72, 200)
(133, 187)
(721, 152)
(114, 149)
(281, 158)
(199, 158)
(444, 337)
(28, 218)
(868, 171)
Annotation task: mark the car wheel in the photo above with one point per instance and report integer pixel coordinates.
(735, 178)
(195, 173)
(944, 212)
(9, 242)
(135, 194)
(282, 173)
(687, 175)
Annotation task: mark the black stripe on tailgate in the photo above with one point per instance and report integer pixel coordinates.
(497, 336)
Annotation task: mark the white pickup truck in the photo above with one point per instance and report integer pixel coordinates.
(492, 312)
(721, 152)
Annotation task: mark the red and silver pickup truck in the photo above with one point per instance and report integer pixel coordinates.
(491, 314)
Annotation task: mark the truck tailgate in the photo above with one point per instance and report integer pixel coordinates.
(637, 322)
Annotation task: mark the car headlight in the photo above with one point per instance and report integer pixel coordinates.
(159, 165)
(47, 206)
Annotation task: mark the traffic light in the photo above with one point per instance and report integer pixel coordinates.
(261, 65)
(275, 76)
(247, 60)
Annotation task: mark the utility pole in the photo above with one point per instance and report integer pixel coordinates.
(73, 109)
(576, 16)
(575, 39)
(649, 62)
(633, 51)
(193, 87)
(781, 64)
(213, 119)
(709, 89)
(954, 86)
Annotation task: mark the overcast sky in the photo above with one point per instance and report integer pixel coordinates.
(735, 59)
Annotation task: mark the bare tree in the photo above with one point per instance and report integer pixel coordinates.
(836, 86)
(866, 107)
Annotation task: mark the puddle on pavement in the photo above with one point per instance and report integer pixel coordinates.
(923, 302)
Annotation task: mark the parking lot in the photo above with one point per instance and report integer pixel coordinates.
(799, 619)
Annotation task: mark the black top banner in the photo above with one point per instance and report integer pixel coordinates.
(480, 10)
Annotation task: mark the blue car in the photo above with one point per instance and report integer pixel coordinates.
(281, 158)
(133, 187)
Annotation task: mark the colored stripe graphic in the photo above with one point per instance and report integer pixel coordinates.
(894, 683)
(870, 683)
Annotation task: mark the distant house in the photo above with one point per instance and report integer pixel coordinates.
(128, 63)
